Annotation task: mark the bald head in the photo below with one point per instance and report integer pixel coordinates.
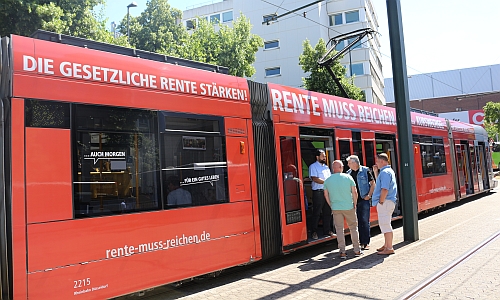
(337, 166)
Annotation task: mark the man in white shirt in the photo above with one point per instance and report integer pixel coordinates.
(177, 196)
(319, 172)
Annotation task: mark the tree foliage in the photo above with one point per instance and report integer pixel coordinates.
(492, 118)
(157, 29)
(238, 47)
(71, 17)
(319, 80)
(233, 47)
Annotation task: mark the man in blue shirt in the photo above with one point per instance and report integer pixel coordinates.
(385, 197)
(342, 196)
(319, 172)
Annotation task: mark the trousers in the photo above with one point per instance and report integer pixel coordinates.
(320, 206)
(363, 213)
(352, 223)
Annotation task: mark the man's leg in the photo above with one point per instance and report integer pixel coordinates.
(363, 213)
(384, 212)
(388, 240)
(388, 236)
(352, 222)
(318, 202)
(338, 220)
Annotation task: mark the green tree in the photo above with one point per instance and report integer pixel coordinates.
(203, 44)
(238, 47)
(157, 29)
(319, 80)
(492, 118)
(72, 17)
(233, 47)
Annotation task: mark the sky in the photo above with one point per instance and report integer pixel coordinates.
(439, 35)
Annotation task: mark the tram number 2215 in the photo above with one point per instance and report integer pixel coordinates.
(81, 283)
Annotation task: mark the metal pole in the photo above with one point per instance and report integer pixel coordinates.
(128, 28)
(405, 141)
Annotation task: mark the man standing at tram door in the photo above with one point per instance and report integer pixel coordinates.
(319, 172)
(385, 196)
(341, 195)
(364, 186)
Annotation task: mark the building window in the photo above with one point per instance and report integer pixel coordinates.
(269, 18)
(215, 18)
(376, 78)
(336, 19)
(352, 16)
(271, 44)
(376, 99)
(357, 69)
(227, 16)
(378, 62)
(339, 46)
(273, 72)
(355, 46)
(190, 24)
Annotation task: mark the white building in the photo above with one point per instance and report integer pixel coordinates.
(278, 61)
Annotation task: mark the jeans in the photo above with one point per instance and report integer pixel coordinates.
(320, 206)
(363, 213)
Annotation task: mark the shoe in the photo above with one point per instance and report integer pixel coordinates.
(358, 254)
(386, 252)
(381, 249)
(314, 236)
(332, 234)
(365, 247)
(343, 255)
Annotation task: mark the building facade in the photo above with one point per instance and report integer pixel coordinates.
(278, 60)
(456, 94)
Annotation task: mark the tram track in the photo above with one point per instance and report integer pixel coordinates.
(430, 281)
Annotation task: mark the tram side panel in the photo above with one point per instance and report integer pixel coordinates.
(66, 248)
(112, 255)
(434, 177)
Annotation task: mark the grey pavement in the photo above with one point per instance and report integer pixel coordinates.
(319, 273)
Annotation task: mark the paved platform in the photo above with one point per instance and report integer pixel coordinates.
(319, 273)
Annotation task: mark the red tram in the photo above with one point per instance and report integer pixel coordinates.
(122, 171)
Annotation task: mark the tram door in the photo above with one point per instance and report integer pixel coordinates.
(473, 165)
(461, 169)
(292, 211)
(468, 167)
(385, 143)
(344, 146)
(481, 167)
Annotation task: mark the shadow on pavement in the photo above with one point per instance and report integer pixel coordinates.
(303, 258)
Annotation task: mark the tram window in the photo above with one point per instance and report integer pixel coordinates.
(357, 148)
(47, 114)
(370, 155)
(194, 167)
(496, 147)
(116, 161)
(433, 155)
(345, 151)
